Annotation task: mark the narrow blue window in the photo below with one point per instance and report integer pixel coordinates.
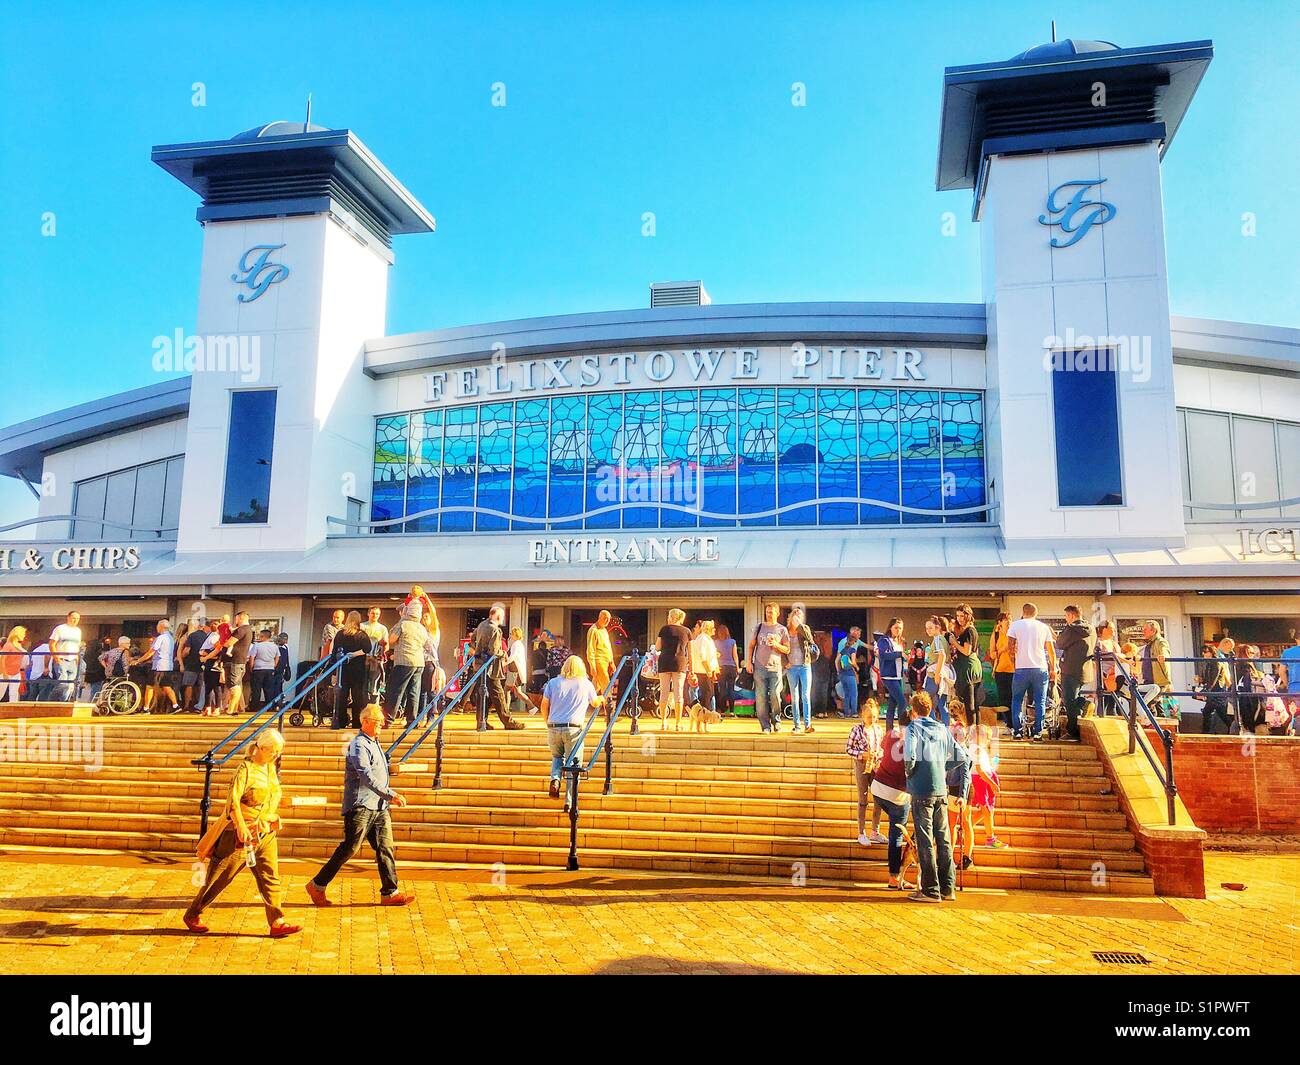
(642, 454)
(878, 455)
(796, 449)
(496, 435)
(1085, 405)
(963, 455)
(249, 450)
(679, 485)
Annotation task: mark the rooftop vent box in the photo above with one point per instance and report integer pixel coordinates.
(679, 294)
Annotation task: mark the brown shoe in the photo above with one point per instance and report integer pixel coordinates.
(194, 925)
(317, 894)
(397, 898)
(282, 929)
(512, 725)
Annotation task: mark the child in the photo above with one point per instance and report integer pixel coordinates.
(984, 783)
(866, 746)
(417, 596)
(961, 733)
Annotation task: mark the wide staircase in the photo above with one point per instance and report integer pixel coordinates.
(732, 802)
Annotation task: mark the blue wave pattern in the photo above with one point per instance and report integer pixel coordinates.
(685, 458)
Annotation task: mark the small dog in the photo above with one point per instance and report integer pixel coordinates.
(701, 719)
(910, 864)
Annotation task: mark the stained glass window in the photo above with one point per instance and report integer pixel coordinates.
(837, 446)
(678, 458)
(716, 450)
(424, 474)
(388, 490)
(568, 459)
(532, 430)
(756, 475)
(922, 464)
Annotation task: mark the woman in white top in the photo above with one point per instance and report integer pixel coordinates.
(517, 669)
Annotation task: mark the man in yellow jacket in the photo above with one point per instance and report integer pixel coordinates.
(600, 652)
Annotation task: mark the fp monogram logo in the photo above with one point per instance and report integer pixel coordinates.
(259, 275)
(1077, 215)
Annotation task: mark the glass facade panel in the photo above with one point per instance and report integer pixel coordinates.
(532, 431)
(424, 473)
(604, 460)
(1233, 458)
(568, 460)
(963, 454)
(756, 474)
(682, 458)
(837, 448)
(249, 451)
(495, 454)
(921, 458)
(641, 458)
(459, 468)
(147, 496)
(678, 480)
(878, 469)
(717, 456)
(388, 491)
(796, 455)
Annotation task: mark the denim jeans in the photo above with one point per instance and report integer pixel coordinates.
(767, 697)
(374, 827)
(849, 682)
(897, 814)
(933, 845)
(1034, 682)
(404, 690)
(63, 688)
(800, 694)
(940, 701)
(563, 743)
(897, 703)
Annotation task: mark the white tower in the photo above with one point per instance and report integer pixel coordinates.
(1062, 147)
(296, 249)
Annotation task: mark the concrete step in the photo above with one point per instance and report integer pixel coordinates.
(872, 870)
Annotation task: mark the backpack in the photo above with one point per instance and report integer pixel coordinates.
(119, 666)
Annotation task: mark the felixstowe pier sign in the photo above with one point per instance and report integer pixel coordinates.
(504, 375)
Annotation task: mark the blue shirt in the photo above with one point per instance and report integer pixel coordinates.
(849, 648)
(929, 756)
(568, 700)
(365, 780)
(1291, 659)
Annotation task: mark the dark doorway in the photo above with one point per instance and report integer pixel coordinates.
(627, 630)
(733, 618)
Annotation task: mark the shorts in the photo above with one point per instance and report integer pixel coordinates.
(161, 678)
(189, 678)
(235, 673)
(982, 796)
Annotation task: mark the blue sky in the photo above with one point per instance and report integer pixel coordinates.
(611, 112)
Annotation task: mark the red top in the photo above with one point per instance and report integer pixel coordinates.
(891, 772)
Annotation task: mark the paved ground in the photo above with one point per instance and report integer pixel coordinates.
(61, 913)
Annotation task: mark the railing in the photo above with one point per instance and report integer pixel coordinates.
(436, 722)
(272, 712)
(574, 767)
(36, 687)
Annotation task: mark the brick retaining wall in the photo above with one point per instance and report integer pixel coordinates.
(1240, 784)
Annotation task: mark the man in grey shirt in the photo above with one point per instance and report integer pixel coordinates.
(768, 651)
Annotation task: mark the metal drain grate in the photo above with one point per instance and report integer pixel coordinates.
(1120, 957)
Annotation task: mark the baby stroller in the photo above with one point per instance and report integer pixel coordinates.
(648, 693)
(1053, 710)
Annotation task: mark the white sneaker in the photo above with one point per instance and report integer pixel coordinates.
(877, 838)
(864, 839)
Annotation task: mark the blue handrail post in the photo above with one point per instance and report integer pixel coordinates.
(636, 696)
(437, 767)
(574, 771)
(206, 803)
(480, 711)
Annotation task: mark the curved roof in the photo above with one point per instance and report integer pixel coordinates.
(278, 129)
(943, 324)
(1069, 46)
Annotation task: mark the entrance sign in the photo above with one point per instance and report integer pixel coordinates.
(583, 550)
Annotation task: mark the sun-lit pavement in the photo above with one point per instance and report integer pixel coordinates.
(61, 913)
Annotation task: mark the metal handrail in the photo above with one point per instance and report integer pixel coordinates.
(577, 770)
(303, 686)
(418, 719)
(436, 723)
(1135, 740)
